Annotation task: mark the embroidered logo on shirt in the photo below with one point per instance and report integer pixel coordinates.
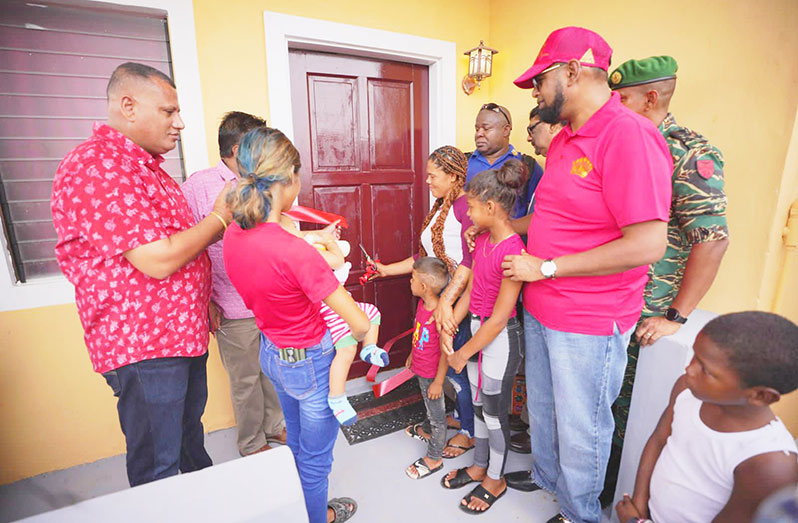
(581, 167)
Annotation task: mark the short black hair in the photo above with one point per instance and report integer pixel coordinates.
(234, 125)
(135, 70)
(762, 348)
(534, 112)
(433, 271)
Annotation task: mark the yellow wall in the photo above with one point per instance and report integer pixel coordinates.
(739, 68)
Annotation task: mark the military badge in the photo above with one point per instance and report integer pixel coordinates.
(581, 167)
(706, 168)
(616, 78)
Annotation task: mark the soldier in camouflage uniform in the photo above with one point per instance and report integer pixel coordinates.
(697, 231)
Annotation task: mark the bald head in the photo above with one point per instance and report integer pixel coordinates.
(142, 105)
(651, 100)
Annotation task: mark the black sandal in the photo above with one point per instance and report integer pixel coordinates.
(340, 506)
(461, 479)
(483, 494)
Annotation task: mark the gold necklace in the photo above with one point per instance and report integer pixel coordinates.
(484, 245)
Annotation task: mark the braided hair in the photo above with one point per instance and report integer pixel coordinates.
(452, 161)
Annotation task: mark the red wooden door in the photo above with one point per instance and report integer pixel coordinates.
(360, 125)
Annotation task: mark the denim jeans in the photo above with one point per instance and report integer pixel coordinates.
(463, 403)
(160, 407)
(572, 381)
(311, 427)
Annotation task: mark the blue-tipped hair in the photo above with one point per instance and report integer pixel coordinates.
(265, 157)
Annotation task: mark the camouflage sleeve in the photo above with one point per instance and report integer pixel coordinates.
(699, 201)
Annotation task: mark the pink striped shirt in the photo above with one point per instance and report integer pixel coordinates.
(201, 190)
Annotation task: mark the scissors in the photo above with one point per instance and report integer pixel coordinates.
(371, 267)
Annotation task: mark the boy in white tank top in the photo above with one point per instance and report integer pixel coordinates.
(718, 450)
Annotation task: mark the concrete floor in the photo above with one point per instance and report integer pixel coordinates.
(371, 472)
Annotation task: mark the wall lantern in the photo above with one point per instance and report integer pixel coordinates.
(480, 66)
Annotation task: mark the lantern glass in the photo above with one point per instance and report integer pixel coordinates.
(473, 63)
(486, 62)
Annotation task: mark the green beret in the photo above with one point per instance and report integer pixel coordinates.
(645, 71)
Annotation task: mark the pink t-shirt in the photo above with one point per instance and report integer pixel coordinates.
(282, 280)
(488, 275)
(426, 345)
(613, 172)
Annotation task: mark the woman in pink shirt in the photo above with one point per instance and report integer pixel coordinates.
(283, 280)
(493, 354)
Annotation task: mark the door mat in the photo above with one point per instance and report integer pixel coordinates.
(396, 410)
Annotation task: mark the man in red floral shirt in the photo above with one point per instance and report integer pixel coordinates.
(128, 242)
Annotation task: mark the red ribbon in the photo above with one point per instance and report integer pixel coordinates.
(384, 387)
(307, 214)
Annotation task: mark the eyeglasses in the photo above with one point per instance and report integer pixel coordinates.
(537, 79)
(496, 108)
(531, 128)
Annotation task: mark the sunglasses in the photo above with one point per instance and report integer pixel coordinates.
(539, 78)
(496, 109)
(531, 128)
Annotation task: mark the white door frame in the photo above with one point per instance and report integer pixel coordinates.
(286, 31)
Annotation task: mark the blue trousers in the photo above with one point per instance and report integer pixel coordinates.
(459, 380)
(572, 381)
(311, 427)
(160, 407)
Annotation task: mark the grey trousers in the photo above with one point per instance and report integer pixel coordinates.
(436, 414)
(491, 390)
(255, 403)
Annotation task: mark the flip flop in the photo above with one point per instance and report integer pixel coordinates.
(412, 431)
(341, 510)
(422, 469)
(461, 479)
(483, 494)
(454, 446)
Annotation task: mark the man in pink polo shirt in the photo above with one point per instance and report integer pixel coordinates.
(600, 219)
(259, 418)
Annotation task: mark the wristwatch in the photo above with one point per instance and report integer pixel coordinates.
(548, 269)
(673, 315)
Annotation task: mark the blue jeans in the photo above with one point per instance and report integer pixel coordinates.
(572, 381)
(459, 380)
(160, 407)
(311, 427)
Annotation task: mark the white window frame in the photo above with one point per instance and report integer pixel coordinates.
(295, 32)
(56, 290)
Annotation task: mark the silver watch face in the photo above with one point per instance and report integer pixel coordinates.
(548, 268)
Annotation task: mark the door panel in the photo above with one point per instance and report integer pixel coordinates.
(333, 129)
(361, 129)
(391, 111)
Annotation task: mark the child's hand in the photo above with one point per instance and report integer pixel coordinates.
(447, 344)
(435, 390)
(333, 230)
(456, 361)
(626, 509)
(409, 360)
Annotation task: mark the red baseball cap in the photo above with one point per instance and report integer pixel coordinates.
(563, 45)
